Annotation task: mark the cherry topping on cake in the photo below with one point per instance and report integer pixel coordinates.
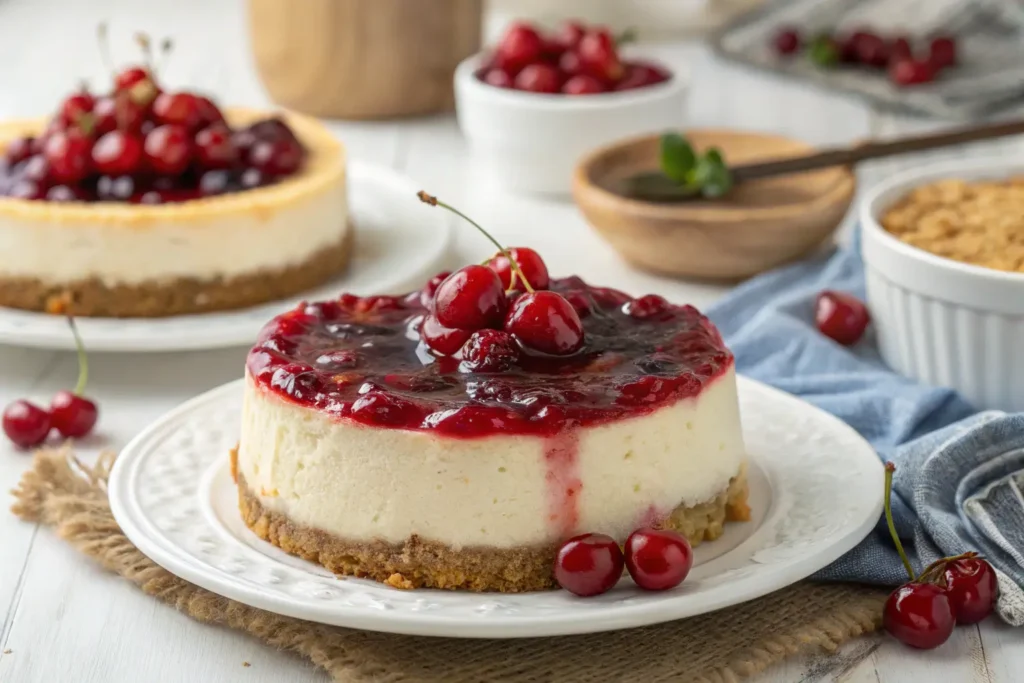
(117, 153)
(215, 148)
(471, 298)
(841, 317)
(278, 156)
(168, 149)
(658, 559)
(75, 106)
(588, 565)
(489, 351)
(180, 108)
(19, 150)
(68, 154)
(442, 340)
(530, 264)
(426, 295)
(546, 322)
(130, 77)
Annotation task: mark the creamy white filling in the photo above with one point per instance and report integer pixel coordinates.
(364, 483)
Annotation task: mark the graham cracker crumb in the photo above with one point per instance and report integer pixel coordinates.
(8, 651)
(396, 580)
(981, 223)
(246, 664)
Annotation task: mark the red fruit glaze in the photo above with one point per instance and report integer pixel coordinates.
(68, 154)
(972, 589)
(521, 45)
(545, 321)
(445, 341)
(539, 78)
(841, 317)
(648, 306)
(787, 41)
(627, 367)
(529, 261)
(117, 153)
(590, 564)
(168, 149)
(599, 56)
(583, 85)
(942, 52)
(471, 298)
(26, 424)
(919, 615)
(489, 351)
(911, 72)
(658, 559)
(73, 416)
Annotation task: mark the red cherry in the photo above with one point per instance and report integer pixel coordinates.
(73, 416)
(489, 351)
(215, 148)
(570, 65)
(117, 153)
(168, 149)
(281, 156)
(471, 298)
(590, 564)
(546, 322)
(646, 307)
(27, 189)
(521, 45)
(568, 36)
(901, 49)
(72, 109)
(181, 108)
(972, 588)
(426, 297)
(130, 77)
(911, 72)
(641, 75)
(599, 56)
(841, 317)
(658, 559)
(538, 78)
(583, 85)
(787, 41)
(26, 424)
(379, 407)
(118, 112)
(528, 260)
(19, 149)
(68, 154)
(942, 52)
(445, 341)
(209, 113)
(872, 50)
(498, 78)
(919, 615)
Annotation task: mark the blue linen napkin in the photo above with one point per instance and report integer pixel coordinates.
(959, 473)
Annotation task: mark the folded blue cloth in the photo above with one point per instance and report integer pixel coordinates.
(959, 473)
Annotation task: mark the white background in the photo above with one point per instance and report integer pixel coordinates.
(64, 620)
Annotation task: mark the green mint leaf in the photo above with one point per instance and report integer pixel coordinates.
(824, 51)
(677, 158)
(712, 175)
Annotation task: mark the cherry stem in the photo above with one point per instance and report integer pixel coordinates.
(166, 45)
(104, 45)
(147, 49)
(889, 469)
(433, 201)
(83, 361)
(940, 565)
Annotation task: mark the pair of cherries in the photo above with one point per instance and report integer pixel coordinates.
(591, 564)
(70, 413)
(954, 590)
(488, 314)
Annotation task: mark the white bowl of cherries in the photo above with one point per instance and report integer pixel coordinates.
(536, 104)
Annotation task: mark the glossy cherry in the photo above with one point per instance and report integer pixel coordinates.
(919, 615)
(426, 296)
(445, 341)
(26, 424)
(538, 78)
(599, 56)
(588, 565)
(73, 416)
(19, 149)
(901, 49)
(118, 112)
(658, 559)
(530, 264)
(209, 113)
(471, 298)
(280, 156)
(75, 106)
(570, 65)
(787, 41)
(641, 75)
(168, 149)
(841, 317)
(489, 351)
(911, 72)
(498, 77)
(545, 321)
(215, 147)
(583, 84)
(942, 52)
(130, 77)
(117, 153)
(650, 306)
(521, 45)
(567, 37)
(180, 108)
(68, 154)
(972, 588)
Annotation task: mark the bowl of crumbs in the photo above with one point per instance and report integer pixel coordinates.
(943, 249)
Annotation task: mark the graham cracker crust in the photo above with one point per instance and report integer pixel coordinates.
(93, 298)
(419, 563)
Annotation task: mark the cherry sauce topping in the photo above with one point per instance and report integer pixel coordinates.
(363, 359)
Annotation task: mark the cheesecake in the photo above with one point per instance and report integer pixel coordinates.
(365, 450)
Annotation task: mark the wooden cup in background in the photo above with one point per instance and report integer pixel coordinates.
(363, 59)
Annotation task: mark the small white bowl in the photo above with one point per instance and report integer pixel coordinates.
(938, 320)
(531, 142)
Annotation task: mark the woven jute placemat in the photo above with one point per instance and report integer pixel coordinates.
(61, 492)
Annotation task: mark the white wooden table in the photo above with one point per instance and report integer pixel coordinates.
(63, 619)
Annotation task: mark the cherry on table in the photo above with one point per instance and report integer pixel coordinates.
(471, 298)
(919, 615)
(599, 56)
(26, 424)
(841, 317)
(786, 41)
(545, 321)
(942, 52)
(583, 85)
(658, 559)
(972, 588)
(530, 263)
(72, 415)
(911, 72)
(117, 153)
(521, 45)
(589, 564)
(538, 78)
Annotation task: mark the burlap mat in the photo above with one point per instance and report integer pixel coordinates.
(61, 492)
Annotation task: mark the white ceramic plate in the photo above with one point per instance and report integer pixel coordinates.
(816, 491)
(399, 243)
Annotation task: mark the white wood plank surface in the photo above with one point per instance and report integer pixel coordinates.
(64, 620)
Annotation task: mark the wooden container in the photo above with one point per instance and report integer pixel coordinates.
(362, 59)
(759, 225)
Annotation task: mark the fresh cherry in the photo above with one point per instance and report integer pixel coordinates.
(568, 36)
(19, 149)
(68, 154)
(599, 56)
(641, 75)
(841, 317)
(658, 559)
(545, 321)
(521, 45)
(787, 41)
(73, 416)
(942, 52)
(426, 296)
(901, 49)
(471, 298)
(489, 351)
(498, 77)
(919, 615)
(168, 149)
(538, 78)
(650, 306)
(972, 588)
(74, 107)
(117, 153)
(118, 112)
(181, 108)
(872, 50)
(588, 565)
(911, 72)
(583, 85)
(209, 113)
(280, 156)
(570, 65)
(26, 424)
(445, 341)
(130, 77)
(530, 264)
(215, 148)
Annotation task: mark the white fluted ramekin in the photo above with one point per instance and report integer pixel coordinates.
(530, 142)
(938, 320)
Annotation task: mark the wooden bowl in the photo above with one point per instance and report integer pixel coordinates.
(759, 225)
(362, 59)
